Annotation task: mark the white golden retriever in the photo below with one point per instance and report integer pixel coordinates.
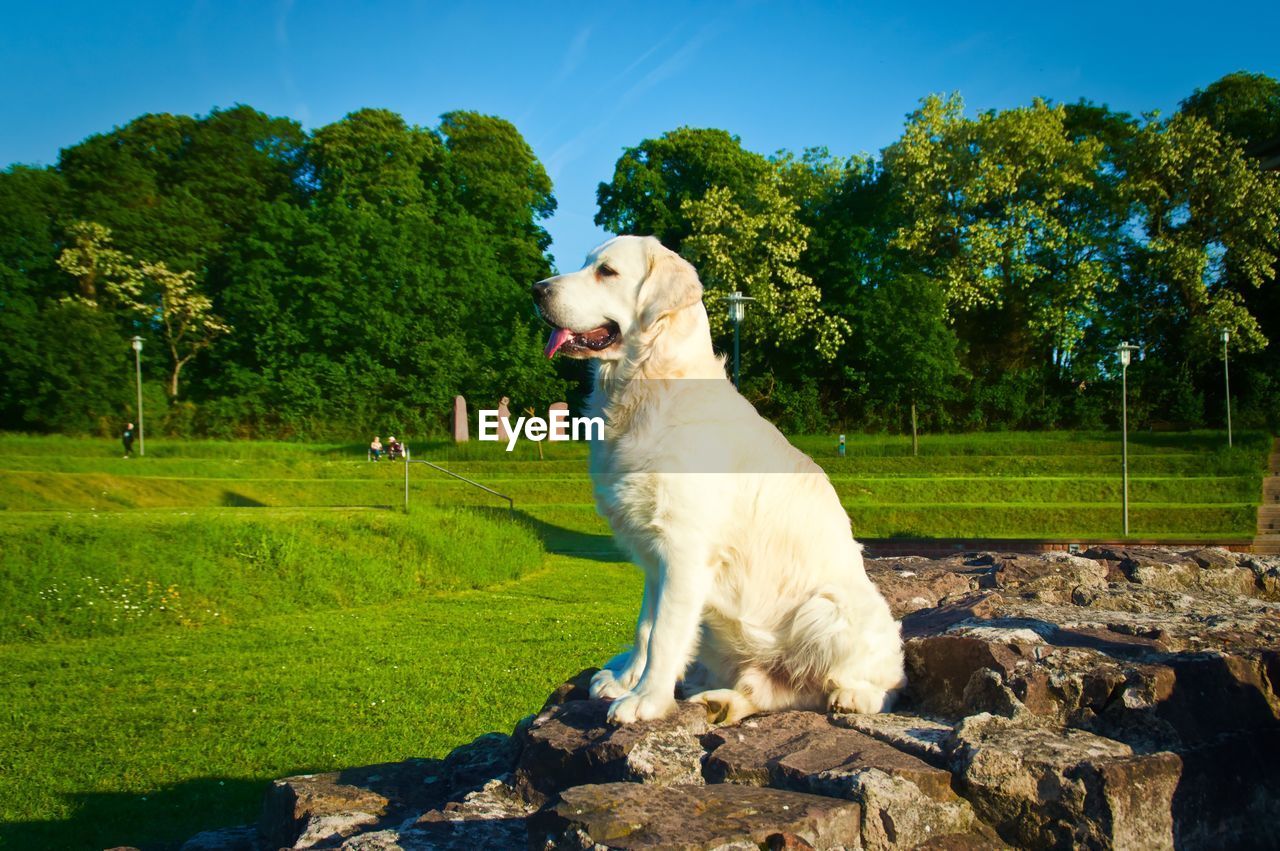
(754, 593)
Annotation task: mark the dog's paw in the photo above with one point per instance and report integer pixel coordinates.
(725, 706)
(862, 698)
(634, 707)
(606, 684)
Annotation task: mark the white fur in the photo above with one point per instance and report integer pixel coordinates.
(755, 591)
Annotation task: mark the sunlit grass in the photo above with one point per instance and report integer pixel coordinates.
(179, 629)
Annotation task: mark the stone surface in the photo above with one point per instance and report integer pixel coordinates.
(904, 800)
(637, 816)
(560, 432)
(1122, 698)
(1050, 788)
(504, 416)
(571, 744)
(911, 583)
(919, 736)
(460, 427)
(243, 838)
(804, 751)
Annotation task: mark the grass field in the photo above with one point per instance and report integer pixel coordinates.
(180, 629)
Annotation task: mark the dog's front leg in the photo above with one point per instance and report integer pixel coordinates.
(621, 673)
(683, 585)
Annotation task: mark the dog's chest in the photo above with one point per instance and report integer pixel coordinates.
(626, 495)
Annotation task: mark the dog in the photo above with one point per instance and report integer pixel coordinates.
(755, 596)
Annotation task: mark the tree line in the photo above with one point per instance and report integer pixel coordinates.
(979, 272)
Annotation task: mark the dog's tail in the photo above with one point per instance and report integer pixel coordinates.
(820, 637)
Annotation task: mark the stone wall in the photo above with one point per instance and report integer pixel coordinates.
(1124, 698)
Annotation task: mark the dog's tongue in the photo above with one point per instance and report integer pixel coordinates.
(558, 338)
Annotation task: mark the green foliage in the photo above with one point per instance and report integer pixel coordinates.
(65, 369)
(653, 181)
(987, 267)
(1242, 105)
(356, 278)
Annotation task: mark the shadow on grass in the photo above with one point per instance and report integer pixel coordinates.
(160, 820)
(231, 499)
(164, 819)
(560, 540)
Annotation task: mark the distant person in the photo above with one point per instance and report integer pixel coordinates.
(127, 439)
(394, 448)
(375, 448)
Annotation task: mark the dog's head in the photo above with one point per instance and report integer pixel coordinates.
(627, 286)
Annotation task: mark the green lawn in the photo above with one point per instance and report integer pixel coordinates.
(180, 629)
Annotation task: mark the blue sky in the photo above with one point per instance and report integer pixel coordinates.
(584, 80)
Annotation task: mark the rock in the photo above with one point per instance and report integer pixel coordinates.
(572, 744)
(1043, 787)
(921, 737)
(1053, 577)
(1214, 558)
(243, 838)
(904, 799)
(639, 816)
(1127, 699)
(494, 816)
(486, 757)
(805, 752)
(913, 583)
(577, 687)
(896, 814)
(328, 830)
(940, 668)
(311, 807)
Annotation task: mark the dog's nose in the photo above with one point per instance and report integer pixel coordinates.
(540, 289)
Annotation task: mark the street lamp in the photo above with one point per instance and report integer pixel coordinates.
(737, 311)
(1226, 377)
(136, 343)
(1126, 351)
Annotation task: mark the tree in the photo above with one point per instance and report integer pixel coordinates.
(906, 347)
(187, 323)
(997, 209)
(499, 181)
(65, 368)
(97, 265)
(174, 188)
(753, 244)
(153, 291)
(1209, 221)
(653, 181)
(1241, 105)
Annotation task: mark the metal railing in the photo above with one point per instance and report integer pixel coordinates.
(511, 503)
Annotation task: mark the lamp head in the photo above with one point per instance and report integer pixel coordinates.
(1126, 352)
(136, 343)
(737, 305)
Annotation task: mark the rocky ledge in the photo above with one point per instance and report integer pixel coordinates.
(1115, 699)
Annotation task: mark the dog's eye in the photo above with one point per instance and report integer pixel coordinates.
(606, 271)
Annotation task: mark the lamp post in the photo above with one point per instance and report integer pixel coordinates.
(737, 311)
(1126, 351)
(136, 343)
(1226, 377)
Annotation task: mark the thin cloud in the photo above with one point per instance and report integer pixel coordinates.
(283, 9)
(574, 55)
(572, 148)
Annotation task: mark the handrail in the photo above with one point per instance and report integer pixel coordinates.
(511, 503)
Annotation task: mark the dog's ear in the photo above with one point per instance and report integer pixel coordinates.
(672, 284)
